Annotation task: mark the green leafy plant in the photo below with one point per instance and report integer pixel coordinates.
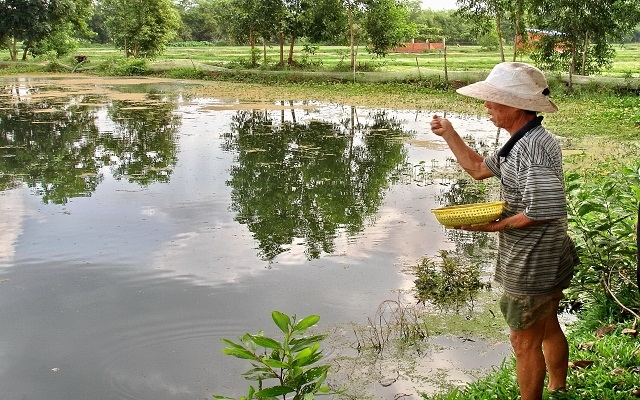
(290, 362)
(602, 203)
(448, 284)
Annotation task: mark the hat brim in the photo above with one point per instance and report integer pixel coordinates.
(485, 91)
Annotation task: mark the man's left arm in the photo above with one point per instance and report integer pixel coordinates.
(517, 221)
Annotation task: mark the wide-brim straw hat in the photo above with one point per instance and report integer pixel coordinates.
(513, 84)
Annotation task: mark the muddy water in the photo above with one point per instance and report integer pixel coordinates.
(140, 224)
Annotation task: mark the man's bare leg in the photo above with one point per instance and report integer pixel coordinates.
(556, 353)
(530, 360)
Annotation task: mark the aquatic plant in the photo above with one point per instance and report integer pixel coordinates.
(449, 283)
(394, 320)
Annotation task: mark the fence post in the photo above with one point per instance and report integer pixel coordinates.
(444, 51)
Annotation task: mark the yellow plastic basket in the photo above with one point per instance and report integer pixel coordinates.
(469, 214)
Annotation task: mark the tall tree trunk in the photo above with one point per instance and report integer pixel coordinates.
(290, 59)
(518, 28)
(499, 29)
(584, 53)
(351, 39)
(252, 41)
(13, 50)
(25, 52)
(281, 49)
(264, 51)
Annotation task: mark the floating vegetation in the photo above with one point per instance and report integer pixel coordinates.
(449, 283)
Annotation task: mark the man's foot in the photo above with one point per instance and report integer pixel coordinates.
(558, 393)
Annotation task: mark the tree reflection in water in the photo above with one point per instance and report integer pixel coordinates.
(310, 181)
(54, 146)
(142, 147)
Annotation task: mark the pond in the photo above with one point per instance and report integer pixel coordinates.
(140, 224)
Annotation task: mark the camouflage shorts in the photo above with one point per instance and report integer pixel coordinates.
(521, 311)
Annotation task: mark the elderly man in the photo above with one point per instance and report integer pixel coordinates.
(536, 257)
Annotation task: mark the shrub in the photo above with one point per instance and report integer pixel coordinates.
(290, 362)
(119, 66)
(602, 203)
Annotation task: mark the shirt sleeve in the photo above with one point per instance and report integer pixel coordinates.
(493, 164)
(543, 195)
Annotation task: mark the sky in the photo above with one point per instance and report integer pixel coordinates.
(439, 4)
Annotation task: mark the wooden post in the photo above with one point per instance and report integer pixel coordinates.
(444, 51)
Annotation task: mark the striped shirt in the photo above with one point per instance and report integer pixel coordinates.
(537, 259)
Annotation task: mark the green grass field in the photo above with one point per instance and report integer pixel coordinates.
(462, 62)
(334, 58)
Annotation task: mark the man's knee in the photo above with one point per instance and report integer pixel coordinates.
(527, 340)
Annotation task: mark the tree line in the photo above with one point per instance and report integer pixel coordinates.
(580, 35)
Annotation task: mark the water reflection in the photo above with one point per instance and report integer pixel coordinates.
(142, 147)
(42, 146)
(307, 181)
(292, 181)
(53, 144)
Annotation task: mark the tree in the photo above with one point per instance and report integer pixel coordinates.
(387, 26)
(296, 22)
(269, 22)
(256, 18)
(435, 25)
(355, 10)
(33, 22)
(583, 32)
(485, 15)
(96, 25)
(141, 28)
(329, 21)
(64, 35)
(246, 13)
(206, 20)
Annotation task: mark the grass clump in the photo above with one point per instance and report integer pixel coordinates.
(119, 66)
(17, 68)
